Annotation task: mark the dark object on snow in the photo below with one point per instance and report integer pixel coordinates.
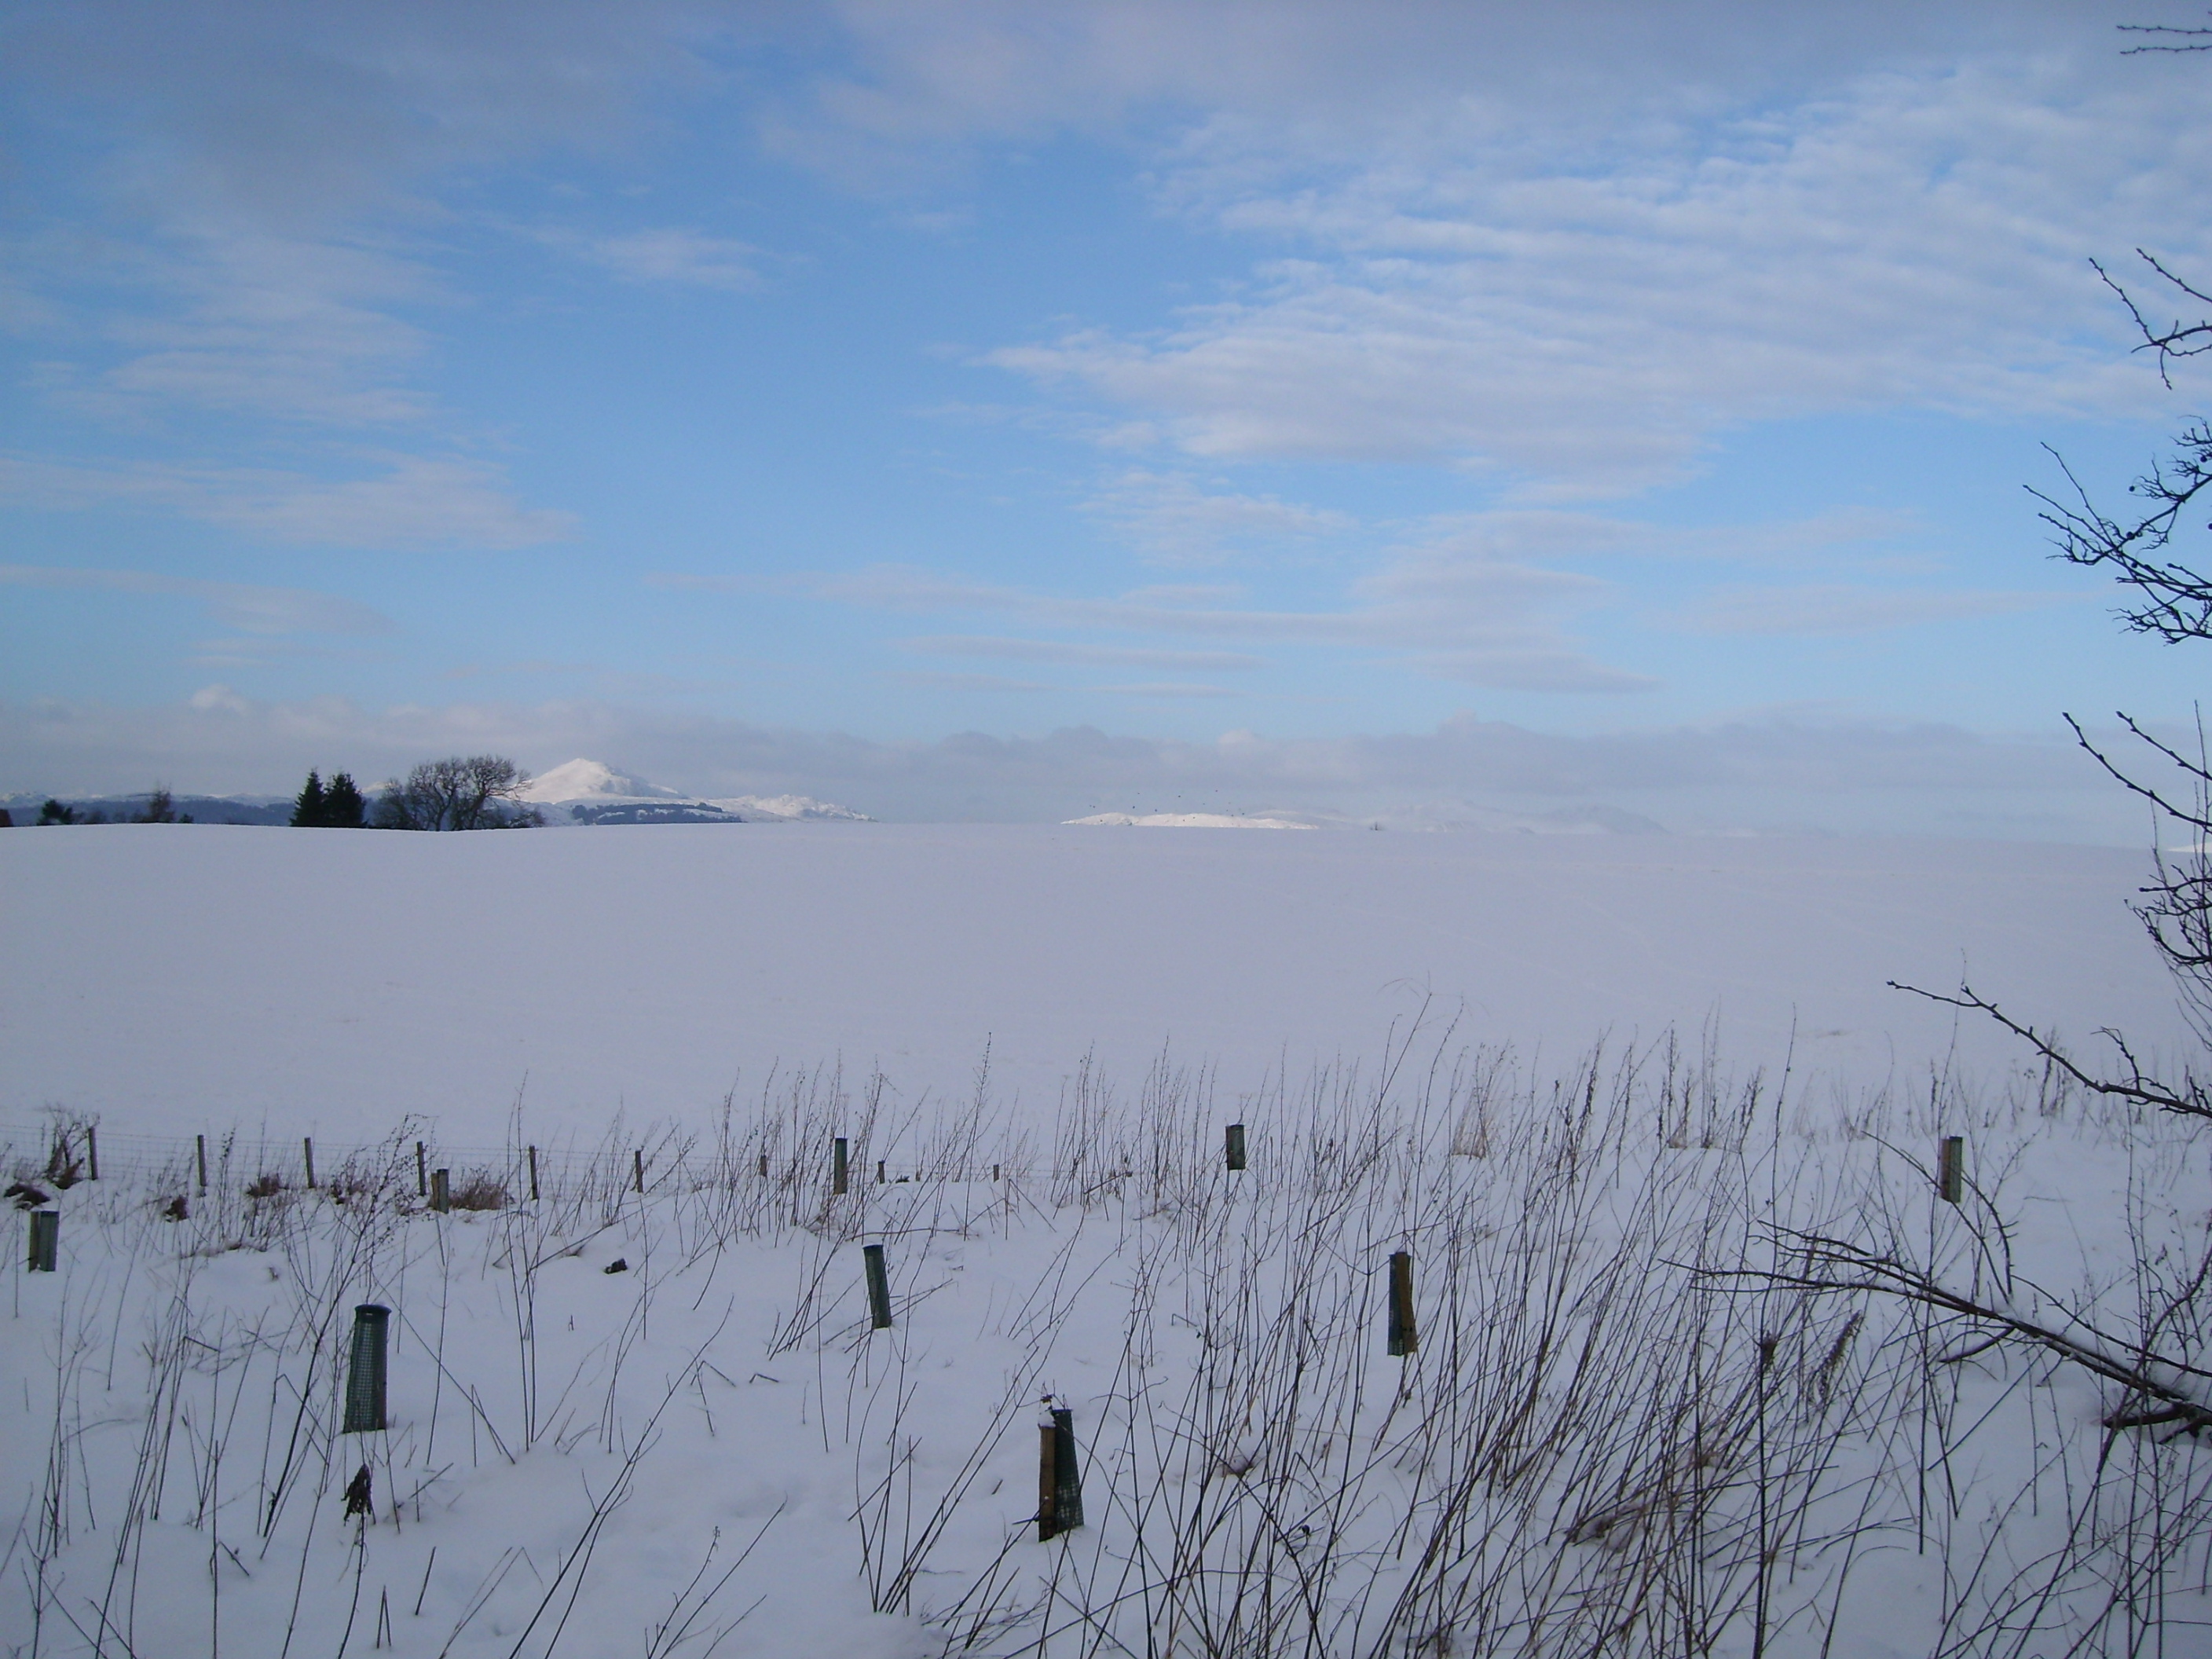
(1233, 1146)
(364, 1399)
(27, 1197)
(356, 1492)
(879, 1287)
(1951, 1170)
(176, 1209)
(1403, 1338)
(45, 1239)
(618, 1266)
(1059, 1481)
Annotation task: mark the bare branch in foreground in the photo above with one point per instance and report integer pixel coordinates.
(1834, 1264)
(2189, 1100)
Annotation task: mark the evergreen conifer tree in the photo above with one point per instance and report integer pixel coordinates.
(342, 806)
(307, 810)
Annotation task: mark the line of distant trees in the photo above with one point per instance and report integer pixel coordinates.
(462, 791)
(160, 807)
(335, 805)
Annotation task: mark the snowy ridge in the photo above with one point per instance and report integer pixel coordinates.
(790, 808)
(589, 792)
(590, 780)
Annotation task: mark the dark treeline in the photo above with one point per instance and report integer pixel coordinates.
(470, 792)
(462, 791)
(336, 805)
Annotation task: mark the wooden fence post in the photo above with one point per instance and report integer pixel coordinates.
(763, 1166)
(364, 1395)
(422, 1172)
(441, 1198)
(1059, 1481)
(1403, 1337)
(307, 1147)
(880, 1172)
(1951, 1169)
(637, 1168)
(837, 1166)
(200, 1142)
(92, 1152)
(533, 1175)
(879, 1287)
(45, 1239)
(1233, 1150)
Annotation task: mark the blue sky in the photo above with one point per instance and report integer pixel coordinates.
(1001, 410)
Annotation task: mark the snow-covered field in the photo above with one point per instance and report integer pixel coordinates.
(1664, 1397)
(178, 978)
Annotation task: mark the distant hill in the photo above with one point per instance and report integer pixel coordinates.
(589, 792)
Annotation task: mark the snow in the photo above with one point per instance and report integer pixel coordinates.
(591, 780)
(1189, 821)
(1386, 1013)
(794, 808)
(205, 975)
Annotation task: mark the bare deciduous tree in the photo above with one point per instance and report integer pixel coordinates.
(474, 791)
(2173, 603)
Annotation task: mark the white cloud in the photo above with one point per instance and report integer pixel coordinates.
(415, 501)
(218, 700)
(242, 605)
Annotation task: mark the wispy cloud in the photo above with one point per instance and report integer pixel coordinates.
(1074, 651)
(675, 255)
(1169, 689)
(1173, 519)
(941, 680)
(1836, 609)
(242, 320)
(413, 502)
(1584, 319)
(237, 604)
(685, 257)
(1479, 621)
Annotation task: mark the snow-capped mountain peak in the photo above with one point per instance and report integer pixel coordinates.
(592, 792)
(590, 780)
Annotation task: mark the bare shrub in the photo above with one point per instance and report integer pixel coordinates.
(479, 1190)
